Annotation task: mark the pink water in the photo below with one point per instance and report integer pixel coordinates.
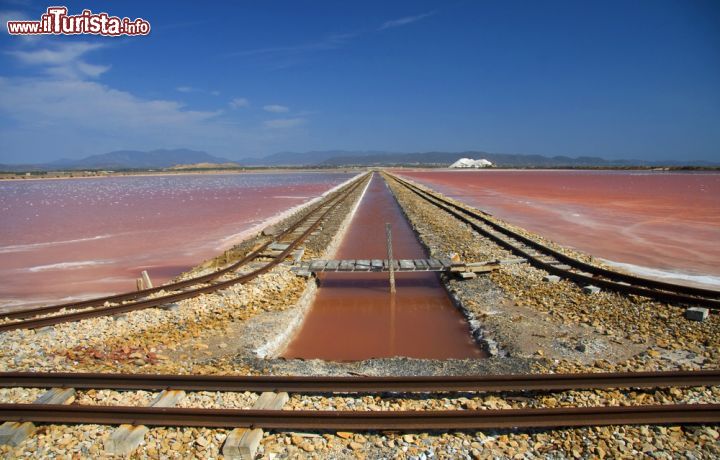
(658, 224)
(78, 238)
(354, 316)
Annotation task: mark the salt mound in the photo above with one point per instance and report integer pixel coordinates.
(470, 163)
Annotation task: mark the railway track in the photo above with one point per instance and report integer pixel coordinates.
(303, 384)
(291, 237)
(704, 413)
(557, 263)
(365, 420)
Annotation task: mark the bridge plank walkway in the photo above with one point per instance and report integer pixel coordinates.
(400, 265)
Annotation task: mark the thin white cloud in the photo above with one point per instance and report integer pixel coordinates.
(275, 108)
(9, 15)
(63, 60)
(404, 21)
(57, 55)
(78, 69)
(192, 89)
(285, 123)
(282, 57)
(330, 42)
(239, 102)
(89, 105)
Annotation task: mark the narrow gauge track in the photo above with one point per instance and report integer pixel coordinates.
(313, 384)
(557, 263)
(365, 420)
(296, 234)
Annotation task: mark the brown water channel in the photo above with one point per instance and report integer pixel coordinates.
(354, 316)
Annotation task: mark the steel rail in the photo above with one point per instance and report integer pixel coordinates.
(365, 420)
(326, 384)
(143, 304)
(672, 293)
(170, 286)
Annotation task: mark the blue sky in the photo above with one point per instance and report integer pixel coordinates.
(618, 79)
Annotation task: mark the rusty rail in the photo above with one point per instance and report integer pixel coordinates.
(366, 420)
(612, 280)
(315, 384)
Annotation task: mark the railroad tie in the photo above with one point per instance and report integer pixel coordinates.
(13, 433)
(242, 443)
(127, 438)
(298, 255)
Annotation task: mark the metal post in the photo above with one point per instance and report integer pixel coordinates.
(391, 261)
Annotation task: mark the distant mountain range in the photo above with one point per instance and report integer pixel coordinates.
(124, 159)
(161, 159)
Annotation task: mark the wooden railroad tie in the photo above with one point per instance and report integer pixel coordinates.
(125, 439)
(14, 433)
(242, 443)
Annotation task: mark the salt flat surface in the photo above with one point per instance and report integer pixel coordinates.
(79, 238)
(664, 225)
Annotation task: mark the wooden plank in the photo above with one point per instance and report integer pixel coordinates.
(242, 443)
(147, 283)
(434, 264)
(332, 265)
(391, 258)
(127, 438)
(420, 264)
(278, 247)
(446, 263)
(347, 265)
(318, 264)
(386, 265)
(298, 255)
(482, 268)
(14, 433)
(518, 260)
(406, 264)
(361, 267)
(57, 396)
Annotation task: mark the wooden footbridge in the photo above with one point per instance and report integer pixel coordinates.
(398, 265)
